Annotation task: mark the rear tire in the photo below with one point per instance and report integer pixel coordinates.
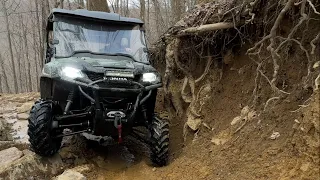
(41, 135)
(159, 141)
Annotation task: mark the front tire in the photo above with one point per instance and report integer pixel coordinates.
(41, 135)
(159, 141)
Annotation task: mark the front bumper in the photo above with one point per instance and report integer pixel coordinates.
(94, 85)
(91, 90)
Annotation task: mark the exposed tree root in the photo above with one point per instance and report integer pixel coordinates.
(206, 28)
(312, 43)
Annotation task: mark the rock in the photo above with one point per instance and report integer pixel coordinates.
(194, 124)
(236, 120)
(251, 115)
(32, 165)
(23, 116)
(71, 175)
(83, 168)
(305, 166)
(7, 156)
(154, 169)
(223, 137)
(25, 107)
(100, 162)
(245, 111)
(8, 144)
(27, 152)
(246, 114)
(274, 135)
(219, 141)
(66, 153)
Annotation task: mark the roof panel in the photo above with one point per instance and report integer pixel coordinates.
(97, 15)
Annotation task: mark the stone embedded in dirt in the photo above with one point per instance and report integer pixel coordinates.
(194, 124)
(27, 152)
(9, 155)
(305, 166)
(23, 116)
(246, 114)
(71, 175)
(66, 153)
(223, 137)
(83, 168)
(236, 120)
(32, 165)
(251, 115)
(245, 111)
(274, 135)
(154, 169)
(26, 107)
(219, 141)
(100, 162)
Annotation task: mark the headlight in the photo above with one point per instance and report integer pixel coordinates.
(150, 77)
(71, 72)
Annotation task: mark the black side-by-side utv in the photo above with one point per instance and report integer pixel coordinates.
(96, 79)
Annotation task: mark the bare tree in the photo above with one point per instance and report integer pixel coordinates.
(159, 19)
(178, 8)
(6, 16)
(98, 5)
(142, 9)
(28, 64)
(3, 76)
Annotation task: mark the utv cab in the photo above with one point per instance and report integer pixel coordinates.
(97, 79)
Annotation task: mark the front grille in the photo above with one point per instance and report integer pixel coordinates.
(95, 76)
(111, 81)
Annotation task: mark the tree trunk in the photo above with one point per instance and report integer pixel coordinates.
(178, 8)
(159, 19)
(10, 47)
(69, 5)
(148, 15)
(127, 13)
(117, 7)
(80, 4)
(38, 63)
(45, 10)
(36, 55)
(61, 4)
(98, 5)
(142, 9)
(3, 75)
(28, 66)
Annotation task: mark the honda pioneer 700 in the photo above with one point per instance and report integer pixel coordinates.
(96, 79)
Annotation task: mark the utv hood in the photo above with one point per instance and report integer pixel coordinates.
(95, 65)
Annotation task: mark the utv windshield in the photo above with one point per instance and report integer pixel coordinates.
(73, 36)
